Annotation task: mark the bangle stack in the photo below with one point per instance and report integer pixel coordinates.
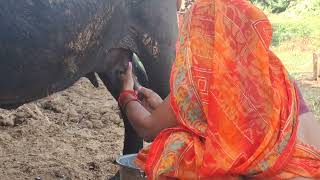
(126, 97)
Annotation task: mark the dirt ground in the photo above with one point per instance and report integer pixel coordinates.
(310, 90)
(74, 134)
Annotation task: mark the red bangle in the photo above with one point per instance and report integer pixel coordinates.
(123, 97)
(133, 92)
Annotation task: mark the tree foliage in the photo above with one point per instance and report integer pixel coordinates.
(275, 6)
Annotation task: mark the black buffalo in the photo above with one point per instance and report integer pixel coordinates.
(47, 45)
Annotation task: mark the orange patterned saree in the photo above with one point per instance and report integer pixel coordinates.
(236, 106)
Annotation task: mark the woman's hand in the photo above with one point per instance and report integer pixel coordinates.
(127, 79)
(149, 99)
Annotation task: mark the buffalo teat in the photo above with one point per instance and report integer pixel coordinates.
(139, 71)
(117, 64)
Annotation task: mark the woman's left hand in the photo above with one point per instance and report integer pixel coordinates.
(127, 79)
(150, 100)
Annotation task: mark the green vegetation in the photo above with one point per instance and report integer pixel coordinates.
(299, 21)
(296, 35)
(275, 6)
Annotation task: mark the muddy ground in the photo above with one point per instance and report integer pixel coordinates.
(311, 92)
(74, 134)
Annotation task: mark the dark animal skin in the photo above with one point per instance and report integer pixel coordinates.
(47, 45)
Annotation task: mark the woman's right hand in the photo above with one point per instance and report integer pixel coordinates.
(150, 100)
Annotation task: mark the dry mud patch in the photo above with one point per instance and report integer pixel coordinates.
(74, 134)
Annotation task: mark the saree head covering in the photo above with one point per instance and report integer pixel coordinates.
(236, 106)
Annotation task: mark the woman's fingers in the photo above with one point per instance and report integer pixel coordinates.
(127, 79)
(145, 91)
(152, 98)
(129, 70)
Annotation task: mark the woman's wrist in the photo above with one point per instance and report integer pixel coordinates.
(127, 96)
(127, 89)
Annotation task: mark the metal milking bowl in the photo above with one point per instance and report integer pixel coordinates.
(128, 170)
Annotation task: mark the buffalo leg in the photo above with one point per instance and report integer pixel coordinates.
(132, 142)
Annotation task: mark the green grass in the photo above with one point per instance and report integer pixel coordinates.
(295, 61)
(287, 28)
(296, 35)
(300, 21)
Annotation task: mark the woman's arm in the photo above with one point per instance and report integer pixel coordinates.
(147, 125)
